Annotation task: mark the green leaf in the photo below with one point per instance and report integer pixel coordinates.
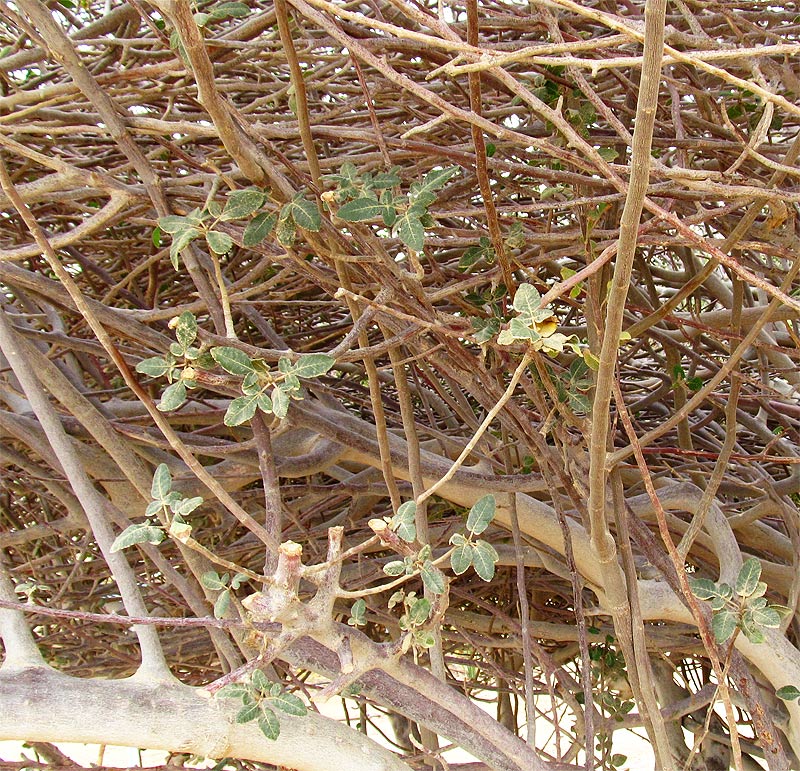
(187, 505)
(394, 568)
(435, 179)
(258, 228)
(242, 203)
(788, 693)
(424, 638)
(232, 691)
(214, 581)
(527, 301)
(238, 580)
(173, 224)
(485, 329)
(419, 612)
(748, 578)
(286, 231)
(251, 384)
(724, 624)
(219, 243)
(490, 149)
(608, 154)
(694, 383)
(264, 403)
(179, 242)
(142, 533)
(312, 365)
(248, 712)
(481, 514)
(230, 10)
(305, 214)
(162, 482)
(232, 360)
(358, 613)
(260, 681)
(403, 522)
(360, 210)
(432, 577)
(484, 558)
(240, 410)
(280, 402)
(155, 366)
(186, 329)
(703, 588)
(156, 238)
(766, 617)
(222, 604)
(173, 397)
(410, 231)
(268, 723)
(290, 704)
(618, 760)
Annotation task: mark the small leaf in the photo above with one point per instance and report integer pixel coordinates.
(173, 397)
(212, 580)
(264, 403)
(360, 210)
(240, 410)
(258, 228)
(435, 179)
(432, 577)
(305, 214)
(238, 580)
(179, 242)
(410, 231)
(186, 329)
(242, 203)
(527, 301)
(173, 224)
(286, 232)
(424, 638)
(403, 522)
(419, 612)
(232, 360)
(724, 624)
(703, 588)
(290, 704)
(312, 365)
(232, 691)
(394, 568)
(219, 243)
(156, 237)
(788, 693)
(222, 604)
(484, 558)
(358, 613)
(228, 10)
(280, 402)
(457, 539)
(490, 149)
(142, 533)
(155, 366)
(162, 482)
(268, 723)
(260, 681)
(481, 514)
(248, 713)
(187, 505)
(749, 575)
(766, 617)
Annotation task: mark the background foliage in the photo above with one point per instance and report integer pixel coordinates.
(269, 269)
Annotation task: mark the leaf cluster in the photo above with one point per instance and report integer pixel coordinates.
(740, 608)
(260, 698)
(369, 197)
